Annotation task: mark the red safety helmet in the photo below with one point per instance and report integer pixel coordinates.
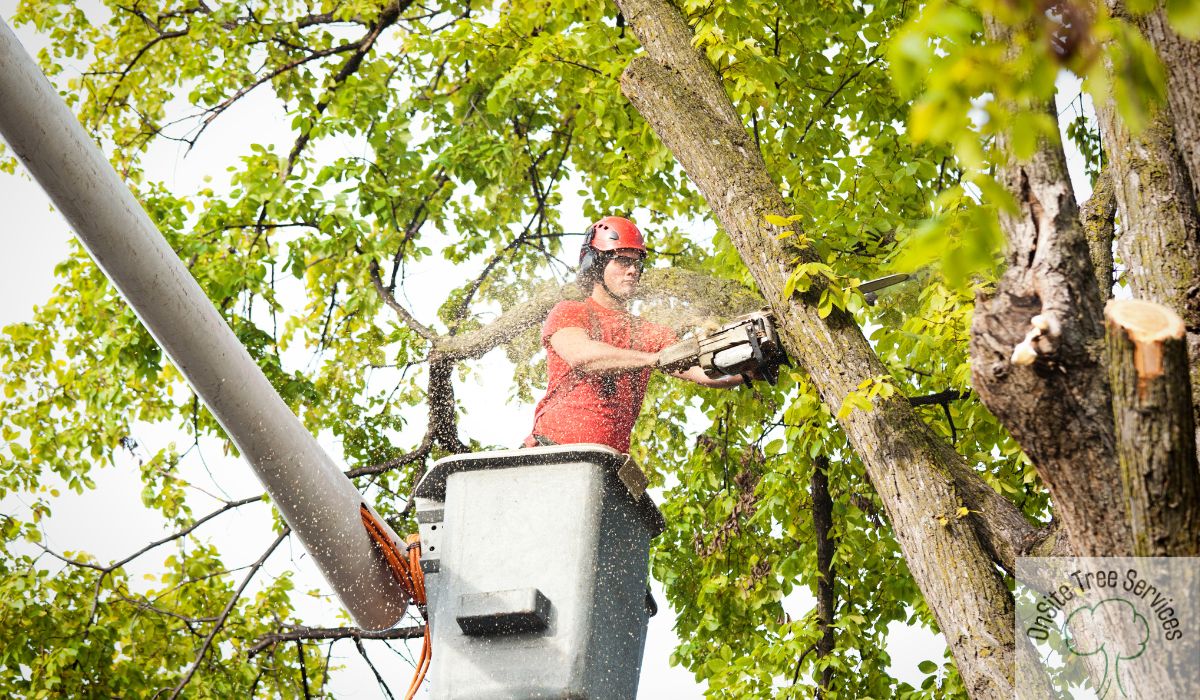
(601, 242)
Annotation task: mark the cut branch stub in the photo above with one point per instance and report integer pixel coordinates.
(1156, 445)
(1150, 328)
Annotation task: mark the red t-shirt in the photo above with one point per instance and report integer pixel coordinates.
(588, 407)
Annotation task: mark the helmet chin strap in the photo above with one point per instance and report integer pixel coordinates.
(614, 295)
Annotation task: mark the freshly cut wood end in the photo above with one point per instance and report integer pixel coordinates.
(1147, 324)
(1145, 321)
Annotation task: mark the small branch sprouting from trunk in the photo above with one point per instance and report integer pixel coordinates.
(1097, 216)
(822, 513)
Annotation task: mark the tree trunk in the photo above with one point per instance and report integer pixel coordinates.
(1160, 216)
(1058, 406)
(1181, 58)
(681, 97)
(1159, 239)
(1156, 446)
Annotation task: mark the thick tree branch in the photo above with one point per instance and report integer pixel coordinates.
(1180, 57)
(1156, 444)
(673, 297)
(510, 324)
(679, 94)
(443, 414)
(822, 515)
(1055, 403)
(1159, 240)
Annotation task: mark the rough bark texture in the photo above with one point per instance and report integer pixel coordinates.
(678, 92)
(822, 511)
(1182, 61)
(1156, 445)
(1159, 240)
(1058, 407)
(1097, 218)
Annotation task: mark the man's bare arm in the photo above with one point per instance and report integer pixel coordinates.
(697, 375)
(581, 352)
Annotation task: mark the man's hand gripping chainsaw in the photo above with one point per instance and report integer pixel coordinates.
(748, 345)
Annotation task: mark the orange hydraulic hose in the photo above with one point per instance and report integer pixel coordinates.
(406, 567)
(414, 562)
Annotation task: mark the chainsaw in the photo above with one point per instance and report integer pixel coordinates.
(748, 344)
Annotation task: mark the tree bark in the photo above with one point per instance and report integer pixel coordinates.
(1097, 218)
(681, 97)
(1160, 212)
(822, 511)
(1156, 446)
(1058, 406)
(1181, 58)
(1159, 239)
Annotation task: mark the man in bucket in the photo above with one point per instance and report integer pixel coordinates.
(598, 355)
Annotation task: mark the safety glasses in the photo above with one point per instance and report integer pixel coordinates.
(636, 263)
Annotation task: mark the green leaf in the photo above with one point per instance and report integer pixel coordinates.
(1184, 16)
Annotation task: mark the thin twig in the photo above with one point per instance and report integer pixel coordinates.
(386, 18)
(418, 454)
(834, 94)
(213, 112)
(382, 683)
(334, 633)
(254, 568)
(182, 533)
(418, 327)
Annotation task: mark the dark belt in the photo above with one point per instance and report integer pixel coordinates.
(539, 440)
